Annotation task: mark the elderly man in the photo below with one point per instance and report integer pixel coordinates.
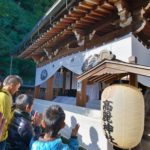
(11, 84)
(2, 123)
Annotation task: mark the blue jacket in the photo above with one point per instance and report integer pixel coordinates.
(55, 145)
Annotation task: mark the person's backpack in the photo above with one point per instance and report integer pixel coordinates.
(13, 107)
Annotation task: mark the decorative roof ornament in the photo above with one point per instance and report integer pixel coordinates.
(79, 37)
(56, 52)
(47, 54)
(91, 35)
(142, 31)
(42, 58)
(36, 58)
(95, 59)
(144, 17)
(123, 12)
(36, 61)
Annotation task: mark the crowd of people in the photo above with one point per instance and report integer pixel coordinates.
(19, 130)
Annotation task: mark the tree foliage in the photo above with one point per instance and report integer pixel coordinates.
(17, 18)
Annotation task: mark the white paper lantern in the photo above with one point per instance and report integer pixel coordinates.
(123, 115)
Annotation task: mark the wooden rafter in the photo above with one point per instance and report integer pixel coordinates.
(116, 68)
(76, 10)
(96, 22)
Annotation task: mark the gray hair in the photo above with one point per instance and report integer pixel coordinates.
(53, 118)
(23, 100)
(12, 79)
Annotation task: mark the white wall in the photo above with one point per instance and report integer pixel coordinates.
(143, 58)
(91, 134)
(121, 47)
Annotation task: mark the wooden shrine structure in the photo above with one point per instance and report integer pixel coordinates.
(76, 25)
(108, 71)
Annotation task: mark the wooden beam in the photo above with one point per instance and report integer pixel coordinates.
(108, 37)
(104, 77)
(116, 77)
(64, 42)
(68, 51)
(64, 81)
(71, 79)
(93, 2)
(49, 89)
(131, 68)
(88, 30)
(92, 72)
(81, 95)
(118, 67)
(93, 78)
(133, 80)
(94, 42)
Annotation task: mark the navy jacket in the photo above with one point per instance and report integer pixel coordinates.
(21, 131)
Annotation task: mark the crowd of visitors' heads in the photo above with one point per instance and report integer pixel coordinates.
(25, 131)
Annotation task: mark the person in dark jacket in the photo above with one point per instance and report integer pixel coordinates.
(22, 128)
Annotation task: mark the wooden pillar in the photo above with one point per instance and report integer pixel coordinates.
(133, 77)
(133, 80)
(70, 80)
(49, 89)
(37, 92)
(81, 94)
(56, 91)
(64, 82)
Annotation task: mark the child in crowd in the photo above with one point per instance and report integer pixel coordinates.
(54, 121)
(22, 128)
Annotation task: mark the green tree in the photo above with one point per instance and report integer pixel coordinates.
(17, 18)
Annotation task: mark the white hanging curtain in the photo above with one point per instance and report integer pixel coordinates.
(74, 62)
